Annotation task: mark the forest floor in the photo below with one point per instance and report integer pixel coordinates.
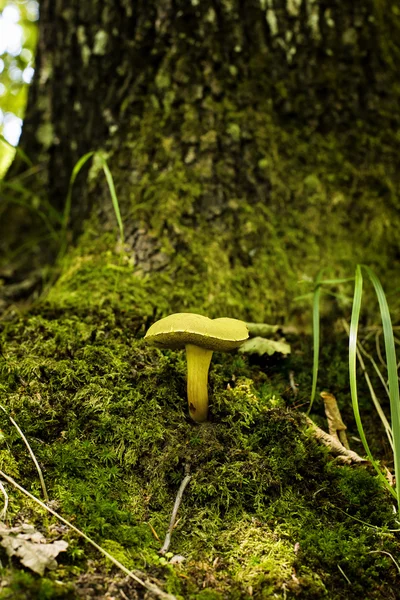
(268, 512)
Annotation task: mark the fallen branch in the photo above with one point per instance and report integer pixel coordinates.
(334, 445)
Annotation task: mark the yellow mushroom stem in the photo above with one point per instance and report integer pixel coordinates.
(198, 363)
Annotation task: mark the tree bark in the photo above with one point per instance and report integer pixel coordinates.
(268, 127)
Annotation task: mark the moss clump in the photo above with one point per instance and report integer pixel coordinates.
(266, 512)
(24, 585)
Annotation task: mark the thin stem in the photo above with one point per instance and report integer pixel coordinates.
(3, 513)
(316, 337)
(374, 397)
(378, 348)
(387, 554)
(38, 469)
(177, 504)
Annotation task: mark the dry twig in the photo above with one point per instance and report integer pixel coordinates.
(177, 504)
(38, 469)
(334, 445)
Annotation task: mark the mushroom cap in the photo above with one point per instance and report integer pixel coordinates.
(180, 329)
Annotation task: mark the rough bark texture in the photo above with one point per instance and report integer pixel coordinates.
(319, 64)
(263, 133)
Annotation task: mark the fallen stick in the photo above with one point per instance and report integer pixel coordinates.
(38, 469)
(177, 504)
(334, 445)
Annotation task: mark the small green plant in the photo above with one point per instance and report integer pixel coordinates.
(14, 191)
(319, 282)
(391, 366)
(75, 172)
(393, 432)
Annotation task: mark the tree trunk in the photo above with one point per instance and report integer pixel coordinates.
(250, 145)
(254, 142)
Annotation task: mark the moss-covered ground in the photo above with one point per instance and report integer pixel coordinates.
(268, 513)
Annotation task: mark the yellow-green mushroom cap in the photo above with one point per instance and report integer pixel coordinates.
(180, 329)
(200, 336)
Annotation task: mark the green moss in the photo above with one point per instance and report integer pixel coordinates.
(24, 585)
(266, 511)
(232, 230)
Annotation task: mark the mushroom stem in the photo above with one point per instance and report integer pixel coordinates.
(198, 362)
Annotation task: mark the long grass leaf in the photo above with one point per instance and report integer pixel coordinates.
(335, 281)
(18, 151)
(31, 243)
(24, 439)
(379, 409)
(355, 316)
(27, 193)
(316, 336)
(75, 172)
(336, 295)
(109, 178)
(114, 196)
(392, 371)
(39, 213)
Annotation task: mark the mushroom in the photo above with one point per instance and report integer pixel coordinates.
(200, 336)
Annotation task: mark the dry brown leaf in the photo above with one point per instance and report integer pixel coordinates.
(30, 546)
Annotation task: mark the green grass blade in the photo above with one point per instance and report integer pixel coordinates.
(316, 336)
(335, 281)
(355, 316)
(18, 151)
(336, 295)
(75, 172)
(25, 192)
(68, 203)
(27, 246)
(392, 371)
(360, 353)
(114, 196)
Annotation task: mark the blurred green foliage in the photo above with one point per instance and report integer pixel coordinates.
(18, 36)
